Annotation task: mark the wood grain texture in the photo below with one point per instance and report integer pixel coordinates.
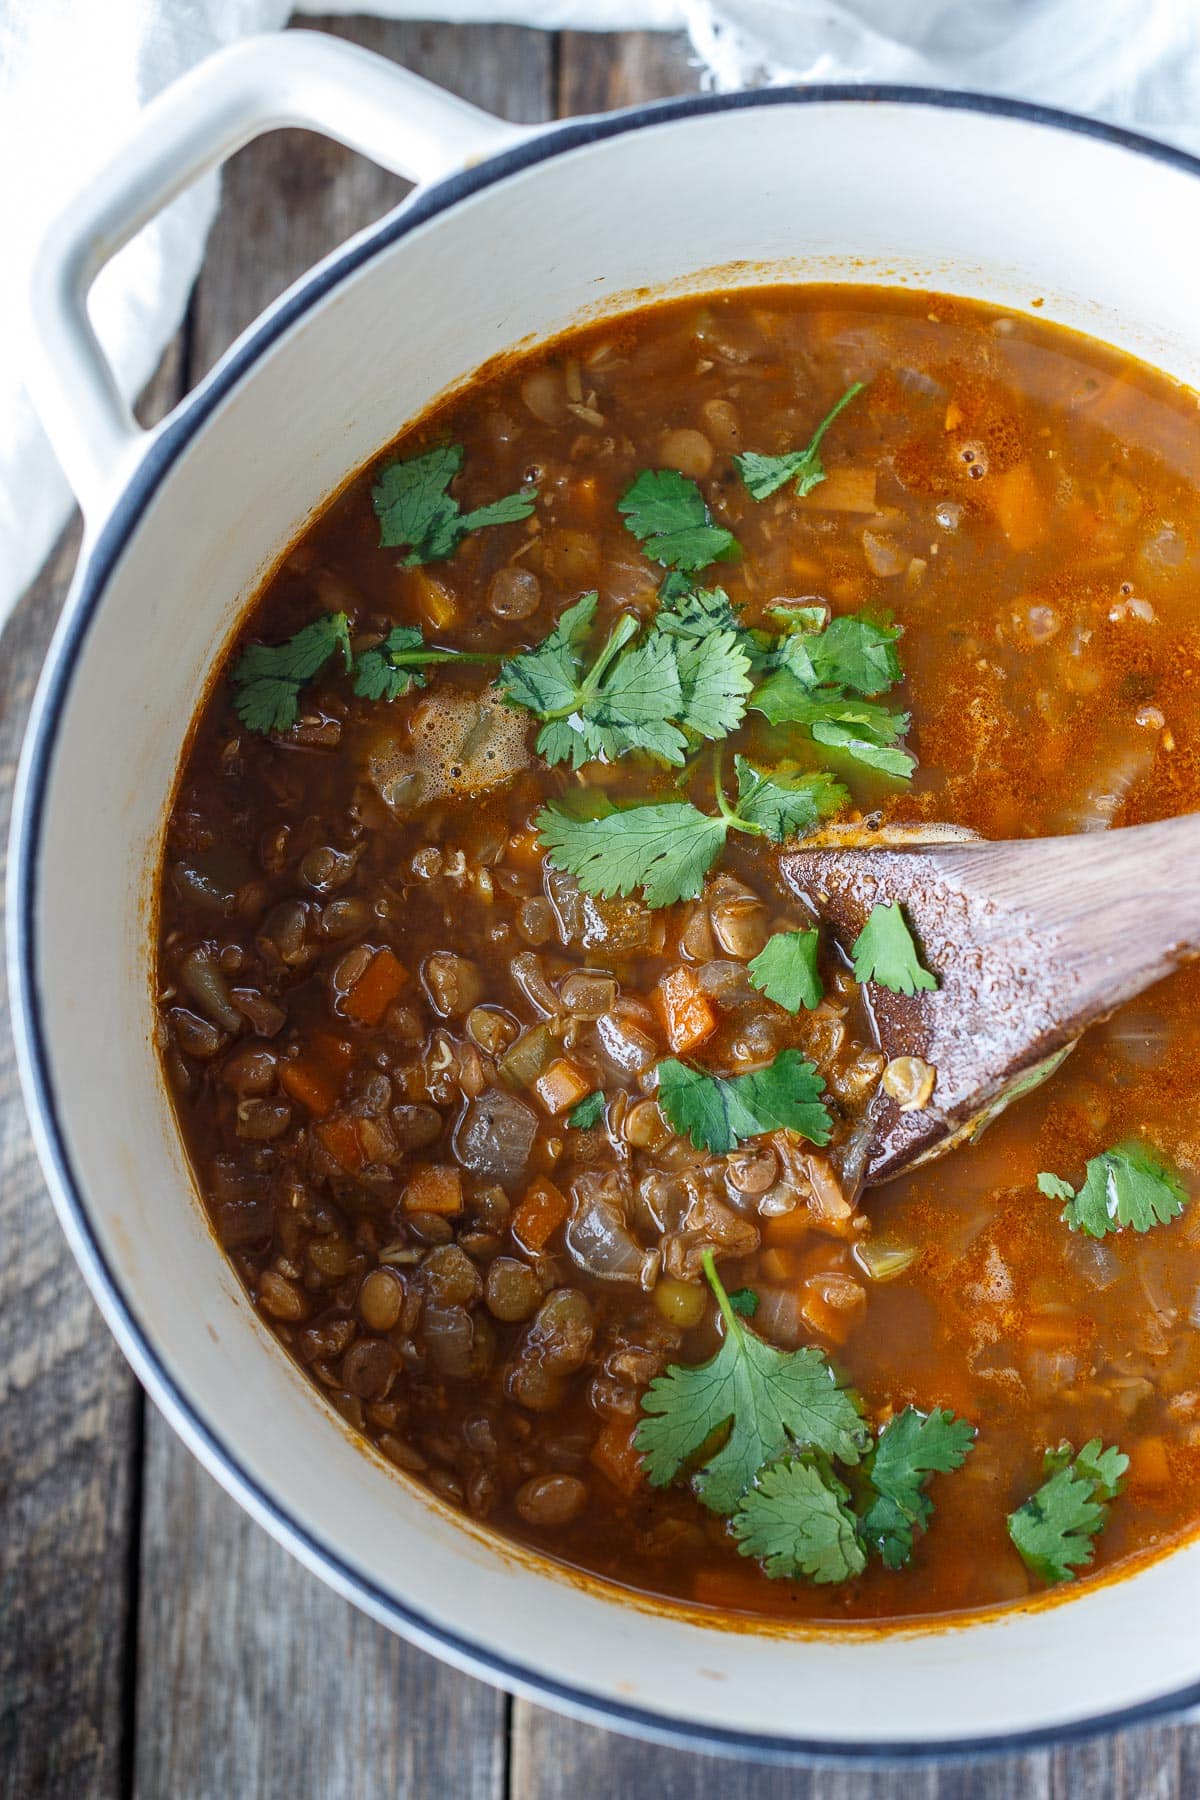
(597, 72)
(1031, 941)
(70, 1410)
(253, 1679)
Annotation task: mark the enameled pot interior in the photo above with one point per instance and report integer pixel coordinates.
(970, 202)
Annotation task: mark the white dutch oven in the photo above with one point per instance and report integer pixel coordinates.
(511, 236)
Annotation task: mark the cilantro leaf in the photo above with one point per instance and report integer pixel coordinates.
(416, 512)
(390, 669)
(667, 513)
(714, 678)
(823, 679)
(744, 1302)
(783, 804)
(632, 706)
(784, 701)
(1127, 1185)
(763, 474)
(625, 700)
(689, 612)
(1054, 1529)
(785, 970)
(666, 849)
(911, 1447)
(772, 1401)
(798, 1522)
(853, 742)
(852, 651)
(719, 1112)
(884, 951)
(268, 677)
(547, 679)
(587, 1112)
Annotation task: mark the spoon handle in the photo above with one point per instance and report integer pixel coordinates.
(1108, 912)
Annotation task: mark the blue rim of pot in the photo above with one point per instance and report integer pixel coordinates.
(53, 695)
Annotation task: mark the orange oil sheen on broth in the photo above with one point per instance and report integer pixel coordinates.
(1025, 503)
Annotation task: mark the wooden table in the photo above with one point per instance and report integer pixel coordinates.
(153, 1641)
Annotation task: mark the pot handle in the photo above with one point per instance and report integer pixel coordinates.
(293, 78)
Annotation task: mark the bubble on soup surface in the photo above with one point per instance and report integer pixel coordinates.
(459, 744)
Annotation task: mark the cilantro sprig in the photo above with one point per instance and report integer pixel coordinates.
(1055, 1529)
(785, 970)
(267, 678)
(798, 1521)
(764, 1436)
(884, 952)
(770, 1401)
(825, 679)
(912, 1446)
(667, 847)
(418, 514)
(1125, 1186)
(719, 1112)
(762, 475)
(397, 665)
(668, 515)
(656, 694)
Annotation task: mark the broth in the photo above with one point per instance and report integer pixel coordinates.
(381, 1004)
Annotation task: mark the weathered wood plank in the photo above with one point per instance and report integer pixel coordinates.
(253, 1678)
(256, 1680)
(70, 1411)
(597, 72)
(291, 198)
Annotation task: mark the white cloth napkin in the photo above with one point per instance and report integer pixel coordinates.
(73, 74)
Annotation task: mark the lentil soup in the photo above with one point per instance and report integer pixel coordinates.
(529, 1104)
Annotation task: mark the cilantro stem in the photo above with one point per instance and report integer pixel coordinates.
(410, 659)
(814, 443)
(625, 628)
(730, 813)
(732, 1322)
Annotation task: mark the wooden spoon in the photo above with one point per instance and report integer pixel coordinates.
(1031, 942)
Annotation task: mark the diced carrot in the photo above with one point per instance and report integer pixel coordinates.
(538, 1215)
(314, 1078)
(954, 416)
(686, 1013)
(1148, 1465)
(376, 988)
(1017, 502)
(436, 602)
(340, 1137)
(613, 1453)
(433, 1188)
(562, 1085)
(305, 1081)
